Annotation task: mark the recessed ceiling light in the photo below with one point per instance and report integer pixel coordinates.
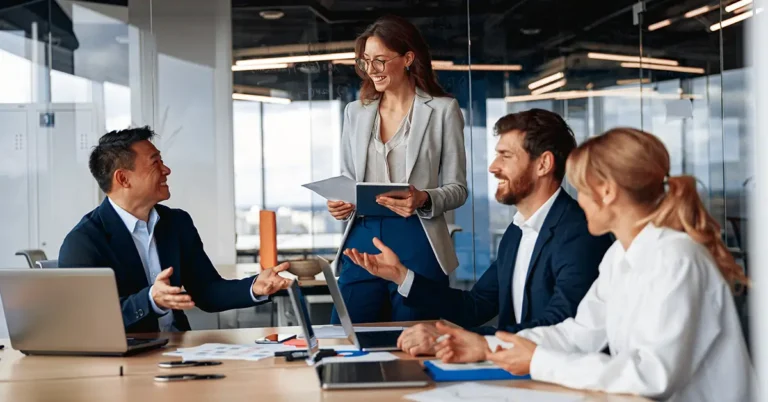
(530, 31)
(271, 14)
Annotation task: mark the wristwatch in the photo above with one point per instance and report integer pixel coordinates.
(427, 204)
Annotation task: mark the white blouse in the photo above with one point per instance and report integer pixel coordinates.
(386, 161)
(669, 319)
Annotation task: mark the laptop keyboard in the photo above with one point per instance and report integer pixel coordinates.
(362, 372)
(378, 339)
(133, 342)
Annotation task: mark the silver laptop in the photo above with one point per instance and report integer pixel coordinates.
(338, 375)
(67, 312)
(368, 341)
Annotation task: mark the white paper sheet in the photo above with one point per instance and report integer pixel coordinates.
(221, 351)
(464, 366)
(337, 331)
(476, 392)
(339, 188)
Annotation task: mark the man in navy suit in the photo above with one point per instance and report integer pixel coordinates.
(547, 259)
(154, 250)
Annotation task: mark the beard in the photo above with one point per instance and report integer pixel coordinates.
(516, 190)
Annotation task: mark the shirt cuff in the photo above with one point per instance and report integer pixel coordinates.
(544, 362)
(405, 288)
(155, 307)
(256, 299)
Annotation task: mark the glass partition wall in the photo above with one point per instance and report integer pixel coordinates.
(248, 99)
(673, 68)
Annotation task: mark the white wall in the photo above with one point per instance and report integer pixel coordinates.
(184, 91)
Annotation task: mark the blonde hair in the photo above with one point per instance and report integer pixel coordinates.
(638, 162)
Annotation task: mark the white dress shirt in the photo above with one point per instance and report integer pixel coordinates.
(530, 229)
(669, 319)
(143, 234)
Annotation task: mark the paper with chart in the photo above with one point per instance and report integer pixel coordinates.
(476, 392)
(222, 351)
(350, 354)
(337, 331)
(339, 188)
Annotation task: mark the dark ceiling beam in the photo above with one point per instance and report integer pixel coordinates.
(355, 17)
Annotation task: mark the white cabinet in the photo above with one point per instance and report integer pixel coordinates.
(14, 185)
(44, 176)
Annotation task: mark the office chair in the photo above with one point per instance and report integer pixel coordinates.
(32, 256)
(453, 229)
(44, 264)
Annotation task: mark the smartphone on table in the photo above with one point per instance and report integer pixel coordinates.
(187, 363)
(275, 339)
(188, 377)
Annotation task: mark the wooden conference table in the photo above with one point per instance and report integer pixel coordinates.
(91, 379)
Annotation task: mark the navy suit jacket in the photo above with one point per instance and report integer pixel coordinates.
(563, 266)
(102, 240)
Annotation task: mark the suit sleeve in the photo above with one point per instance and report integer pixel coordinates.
(347, 161)
(576, 266)
(452, 192)
(209, 291)
(78, 251)
(468, 308)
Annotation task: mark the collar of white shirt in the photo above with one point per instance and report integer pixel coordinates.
(639, 248)
(131, 221)
(536, 221)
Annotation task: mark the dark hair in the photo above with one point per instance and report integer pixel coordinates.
(114, 152)
(544, 131)
(400, 36)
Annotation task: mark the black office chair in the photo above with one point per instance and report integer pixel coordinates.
(45, 264)
(32, 256)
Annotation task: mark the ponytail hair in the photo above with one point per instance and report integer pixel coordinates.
(638, 162)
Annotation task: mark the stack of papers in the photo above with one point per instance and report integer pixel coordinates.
(221, 351)
(339, 188)
(474, 392)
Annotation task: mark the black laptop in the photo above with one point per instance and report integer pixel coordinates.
(339, 375)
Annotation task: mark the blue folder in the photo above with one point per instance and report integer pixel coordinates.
(473, 374)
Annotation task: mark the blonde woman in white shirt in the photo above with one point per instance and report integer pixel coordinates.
(663, 302)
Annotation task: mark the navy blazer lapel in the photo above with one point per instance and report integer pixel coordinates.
(122, 245)
(168, 248)
(547, 229)
(505, 274)
(362, 136)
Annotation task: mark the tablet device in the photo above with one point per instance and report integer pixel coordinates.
(366, 194)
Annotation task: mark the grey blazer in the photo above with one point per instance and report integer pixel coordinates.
(435, 162)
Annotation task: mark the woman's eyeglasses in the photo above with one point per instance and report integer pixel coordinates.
(377, 64)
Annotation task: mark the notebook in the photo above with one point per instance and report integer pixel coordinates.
(482, 371)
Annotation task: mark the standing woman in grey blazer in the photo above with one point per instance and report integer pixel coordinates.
(404, 129)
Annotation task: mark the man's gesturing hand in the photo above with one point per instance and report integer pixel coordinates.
(269, 282)
(168, 297)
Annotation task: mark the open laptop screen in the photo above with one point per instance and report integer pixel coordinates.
(338, 302)
(302, 314)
